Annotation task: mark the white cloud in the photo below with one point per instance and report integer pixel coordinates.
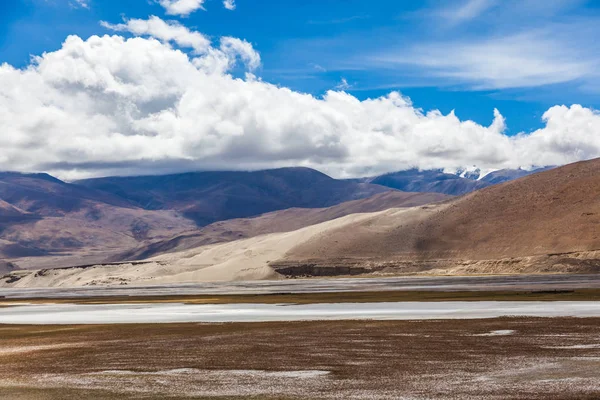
(318, 67)
(493, 12)
(181, 7)
(466, 11)
(234, 47)
(215, 60)
(229, 4)
(111, 105)
(522, 60)
(229, 53)
(343, 85)
(473, 45)
(81, 3)
(164, 31)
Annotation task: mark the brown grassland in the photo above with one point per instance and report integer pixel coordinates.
(505, 358)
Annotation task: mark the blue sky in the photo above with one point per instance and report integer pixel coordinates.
(311, 45)
(351, 88)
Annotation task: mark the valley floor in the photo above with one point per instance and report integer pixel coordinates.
(73, 353)
(413, 286)
(503, 358)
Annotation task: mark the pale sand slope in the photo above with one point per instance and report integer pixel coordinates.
(246, 259)
(279, 221)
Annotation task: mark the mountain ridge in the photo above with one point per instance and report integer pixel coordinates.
(46, 222)
(547, 222)
(462, 181)
(207, 197)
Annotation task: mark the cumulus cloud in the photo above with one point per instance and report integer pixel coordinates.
(213, 59)
(116, 105)
(170, 32)
(181, 7)
(229, 4)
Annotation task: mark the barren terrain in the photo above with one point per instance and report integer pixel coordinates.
(101, 233)
(505, 358)
(552, 212)
(278, 221)
(547, 222)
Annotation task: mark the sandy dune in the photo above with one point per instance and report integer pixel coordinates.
(246, 259)
(278, 221)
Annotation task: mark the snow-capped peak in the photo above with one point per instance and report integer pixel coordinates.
(473, 172)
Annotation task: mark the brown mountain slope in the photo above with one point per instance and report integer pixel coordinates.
(44, 195)
(556, 211)
(90, 235)
(10, 215)
(9, 211)
(278, 221)
(227, 250)
(45, 222)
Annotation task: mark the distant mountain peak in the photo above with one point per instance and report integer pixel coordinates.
(473, 173)
(38, 175)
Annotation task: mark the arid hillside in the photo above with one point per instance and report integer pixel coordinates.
(545, 214)
(45, 222)
(228, 250)
(547, 222)
(278, 221)
(10, 211)
(48, 223)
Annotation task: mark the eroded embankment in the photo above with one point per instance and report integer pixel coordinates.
(164, 272)
(561, 263)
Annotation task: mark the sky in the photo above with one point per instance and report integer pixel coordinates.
(352, 88)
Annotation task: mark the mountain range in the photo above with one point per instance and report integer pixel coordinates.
(438, 181)
(207, 197)
(45, 222)
(548, 222)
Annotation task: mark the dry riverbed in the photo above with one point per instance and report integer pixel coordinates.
(504, 358)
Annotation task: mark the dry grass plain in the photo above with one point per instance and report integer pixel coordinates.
(506, 358)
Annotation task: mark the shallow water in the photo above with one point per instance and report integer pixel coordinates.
(174, 313)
